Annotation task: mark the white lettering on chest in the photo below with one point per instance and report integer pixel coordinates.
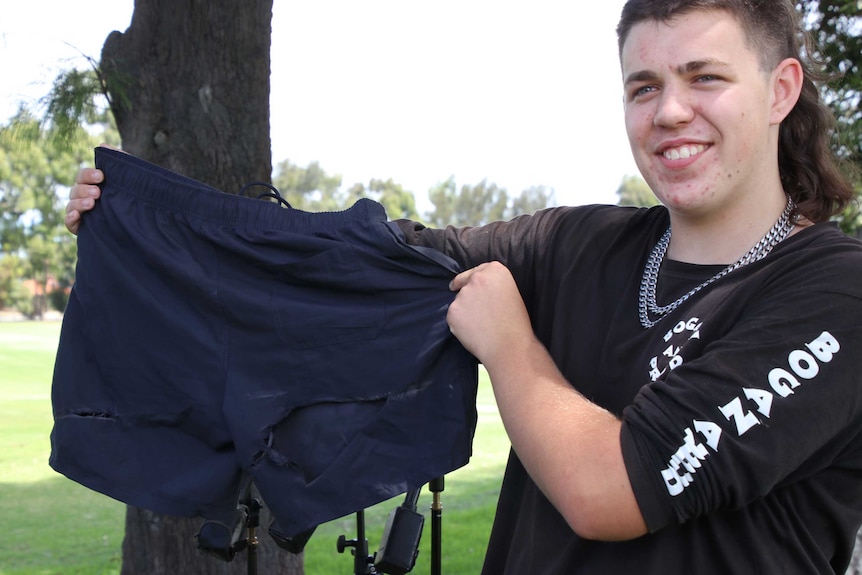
(671, 357)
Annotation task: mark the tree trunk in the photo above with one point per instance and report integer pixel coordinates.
(189, 89)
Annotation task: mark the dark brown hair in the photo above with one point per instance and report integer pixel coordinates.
(809, 168)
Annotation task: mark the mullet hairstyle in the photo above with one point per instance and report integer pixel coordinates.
(809, 168)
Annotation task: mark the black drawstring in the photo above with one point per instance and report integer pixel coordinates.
(272, 193)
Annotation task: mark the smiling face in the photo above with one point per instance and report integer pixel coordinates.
(700, 115)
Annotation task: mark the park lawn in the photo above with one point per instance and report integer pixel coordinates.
(51, 525)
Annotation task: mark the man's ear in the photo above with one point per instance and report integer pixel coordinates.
(787, 79)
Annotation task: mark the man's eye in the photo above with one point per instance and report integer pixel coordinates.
(642, 91)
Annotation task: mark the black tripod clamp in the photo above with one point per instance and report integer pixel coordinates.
(362, 562)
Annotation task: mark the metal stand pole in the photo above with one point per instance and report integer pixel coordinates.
(436, 487)
(252, 523)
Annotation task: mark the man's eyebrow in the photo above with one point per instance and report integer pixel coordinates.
(641, 76)
(696, 65)
(687, 68)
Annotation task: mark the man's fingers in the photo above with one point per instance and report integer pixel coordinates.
(82, 196)
(83, 191)
(461, 279)
(80, 205)
(89, 176)
(72, 221)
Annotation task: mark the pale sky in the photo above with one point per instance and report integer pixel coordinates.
(516, 93)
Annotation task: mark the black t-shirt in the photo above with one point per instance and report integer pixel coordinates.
(742, 433)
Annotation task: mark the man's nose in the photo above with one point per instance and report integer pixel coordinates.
(673, 107)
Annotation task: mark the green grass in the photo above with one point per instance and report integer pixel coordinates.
(50, 525)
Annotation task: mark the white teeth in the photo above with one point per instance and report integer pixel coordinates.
(684, 152)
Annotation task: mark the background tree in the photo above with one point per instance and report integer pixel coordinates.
(634, 191)
(13, 294)
(837, 28)
(310, 188)
(469, 206)
(34, 165)
(531, 200)
(189, 88)
(188, 85)
(442, 196)
(398, 202)
(481, 203)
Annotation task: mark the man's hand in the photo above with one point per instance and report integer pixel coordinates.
(488, 315)
(82, 197)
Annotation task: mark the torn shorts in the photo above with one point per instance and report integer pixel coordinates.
(212, 338)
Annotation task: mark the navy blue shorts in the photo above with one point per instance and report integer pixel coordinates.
(212, 338)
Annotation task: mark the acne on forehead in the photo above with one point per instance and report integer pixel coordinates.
(633, 35)
(645, 39)
(640, 45)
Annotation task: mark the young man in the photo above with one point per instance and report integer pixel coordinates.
(681, 385)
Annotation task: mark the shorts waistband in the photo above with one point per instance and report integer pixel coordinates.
(128, 175)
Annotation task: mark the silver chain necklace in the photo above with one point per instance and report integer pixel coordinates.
(647, 299)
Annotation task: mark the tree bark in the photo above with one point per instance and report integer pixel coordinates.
(189, 88)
